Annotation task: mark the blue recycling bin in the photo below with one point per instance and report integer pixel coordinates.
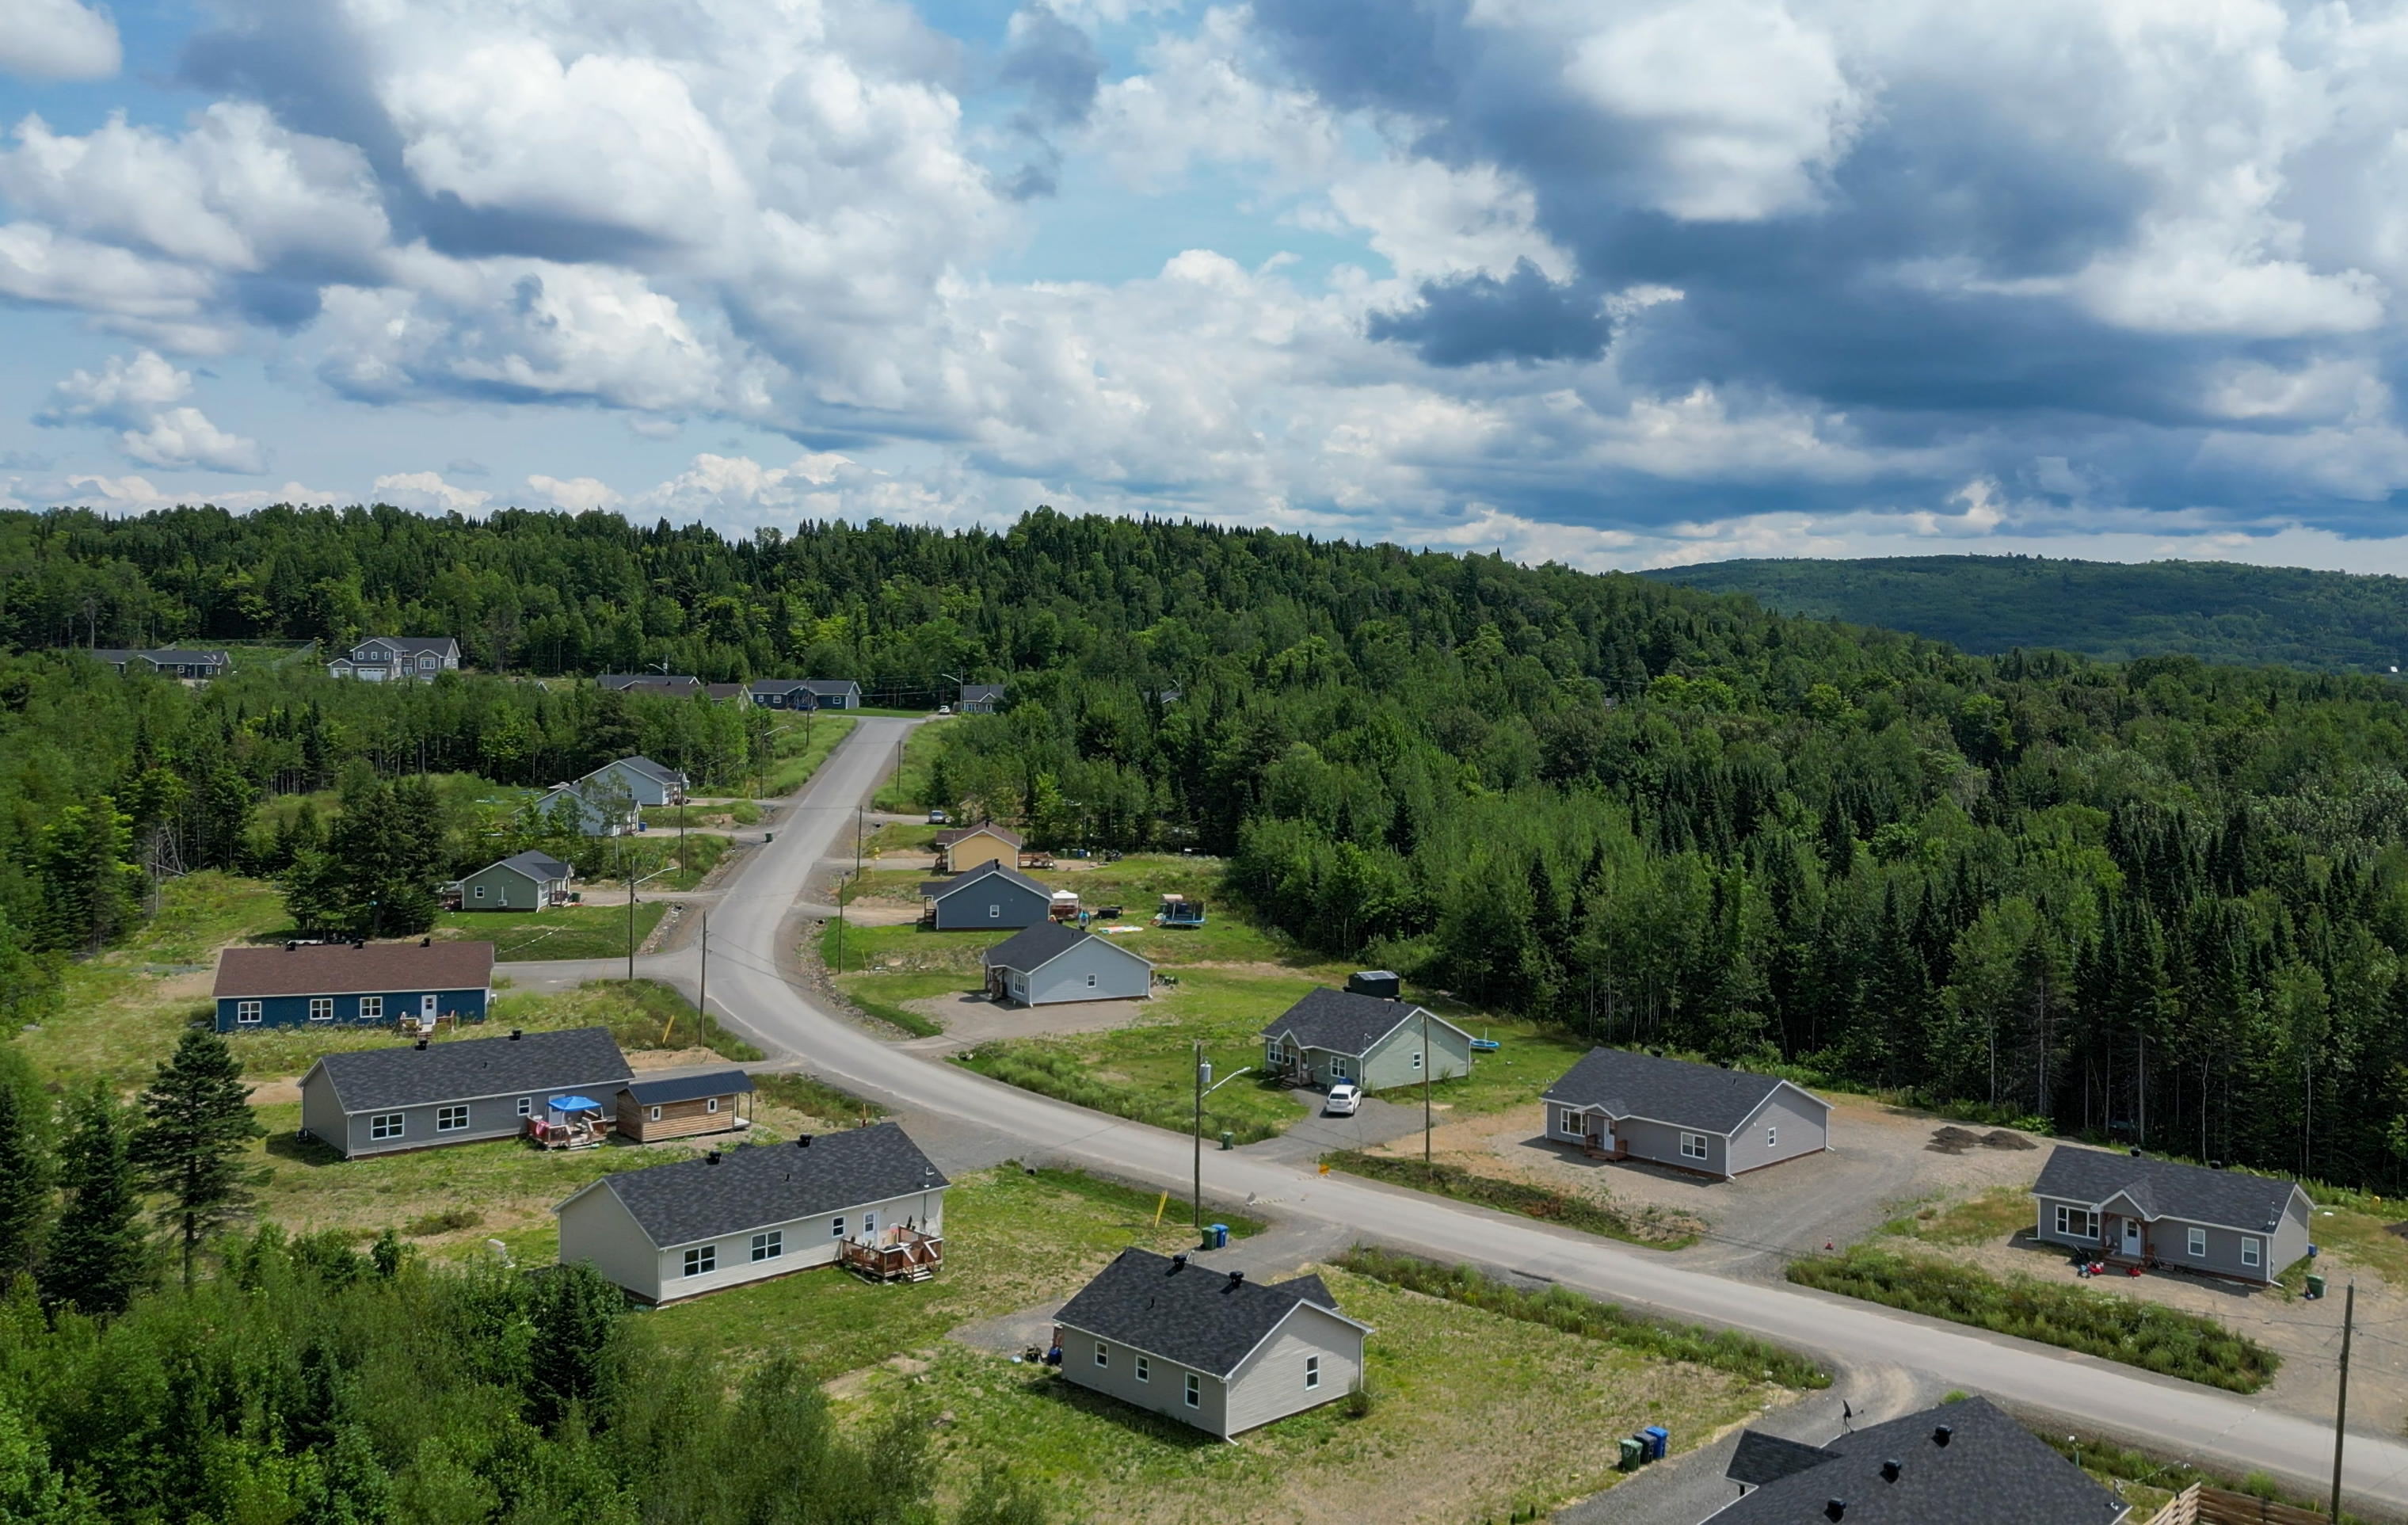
(1216, 1236)
(1657, 1439)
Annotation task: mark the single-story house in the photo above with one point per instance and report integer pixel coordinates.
(1334, 1035)
(646, 782)
(353, 983)
(168, 661)
(965, 847)
(2134, 1209)
(729, 693)
(676, 1232)
(660, 1107)
(1966, 1462)
(833, 693)
(1622, 1104)
(669, 685)
(529, 881)
(379, 1101)
(1050, 963)
(587, 813)
(392, 659)
(1207, 1348)
(981, 698)
(781, 694)
(990, 895)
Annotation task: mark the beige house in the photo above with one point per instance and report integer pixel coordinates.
(965, 848)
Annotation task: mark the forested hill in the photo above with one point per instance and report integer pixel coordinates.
(2218, 611)
(2165, 902)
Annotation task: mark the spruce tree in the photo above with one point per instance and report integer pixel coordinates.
(196, 1121)
(25, 1171)
(98, 1257)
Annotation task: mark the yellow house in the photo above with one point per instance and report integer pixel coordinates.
(965, 848)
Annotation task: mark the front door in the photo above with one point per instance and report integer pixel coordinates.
(2132, 1238)
(426, 1011)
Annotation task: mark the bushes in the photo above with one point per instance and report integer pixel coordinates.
(1061, 1075)
(1649, 1226)
(1725, 1350)
(2143, 1334)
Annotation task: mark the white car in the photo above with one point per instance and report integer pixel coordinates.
(1342, 1100)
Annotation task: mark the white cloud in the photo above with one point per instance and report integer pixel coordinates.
(577, 496)
(58, 40)
(139, 397)
(427, 492)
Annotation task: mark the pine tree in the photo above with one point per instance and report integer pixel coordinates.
(98, 1256)
(196, 1121)
(25, 1171)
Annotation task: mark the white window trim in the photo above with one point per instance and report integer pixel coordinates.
(1700, 1152)
(321, 1008)
(656, 1114)
(526, 1106)
(387, 1125)
(247, 1012)
(1194, 1390)
(835, 1227)
(1773, 1138)
(1338, 1068)
(2249, 1253)
(1091, 982)
(1145, 1369)
(769, 1245)
(1417, 1061)
(2195, 1242)
(2076, 1222)
(1103, 1354)
(869, 1223)
(701, 1260)
(1311, 1373)
(710, 1106)
(452, 1119)
(371, 1008)
(480, 892)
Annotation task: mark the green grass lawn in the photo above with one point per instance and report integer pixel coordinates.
(907, 788)
(1474, 1415)
(800, 748)
(1991, 1217)
(1655, 1226)
(567, 932)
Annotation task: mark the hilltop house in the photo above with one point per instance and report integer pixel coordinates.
(381, 1101)
(1051, 963)
(1334, 1035)
(658, 685)
(989, 896)
(1618, 1103)
(1966, 1462)
(981, 698)
(865, 1195)
(646, 782)
(352, 985)
(807, 693)
(1207, 1348)
(168, 661)
(2132, 1210)
(528, 880)
(392, 659)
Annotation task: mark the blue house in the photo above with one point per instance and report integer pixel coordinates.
(353, 985)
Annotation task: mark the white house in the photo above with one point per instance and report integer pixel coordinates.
(1056, 962)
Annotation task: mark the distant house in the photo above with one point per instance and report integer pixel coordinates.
(990, 895)
(981, 698)
(1621, 1104)
(834, 693)
(658, 685)
(676, 1232)
(1051, 963)
(352, 985)
(646, 782)
(392, 659)
(527, 882)
(965, 848)
(381, 1101)
(1963, 1461)
(681, 1106)
(2139, 1211)
(729, 693)
(807, 693)
(1334, 1035)
(587, 812)
(168, 661)
(1207, 1348)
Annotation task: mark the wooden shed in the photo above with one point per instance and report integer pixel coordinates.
(684, 1106)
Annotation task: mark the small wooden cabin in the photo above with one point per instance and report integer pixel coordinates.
(684, 1106)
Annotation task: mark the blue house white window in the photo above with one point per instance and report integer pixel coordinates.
(1692, 1146)
(451, 1119)
(321, 1008)
(1195, 1391)
(371, 1008)
(247, 1012)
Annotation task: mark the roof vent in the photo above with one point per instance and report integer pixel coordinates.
(803, 1142)
(1834, 1508)
(1179, 1261)
(421, 1044)
(427, 943)
(2216, 1164)
(515, 1032)
(290, 945)
(712, 1158)
(1237, 1278)
(2134, 1152)
(1890, 1469)
(1941, 1434)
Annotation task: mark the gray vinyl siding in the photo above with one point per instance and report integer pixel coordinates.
(1001, 903)
(642, 787)
(506, 889)
(1271, 1384)
(597, 1228)
(619, 1248)
(489, 1118)
(1656, 1142)
(1119, 975)
(1390, 1062)
(2168, 1240)
(1797, 1125)
(1164, 1392)
(2045, 1226)
(322, 1115)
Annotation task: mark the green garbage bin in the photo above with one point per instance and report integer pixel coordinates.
(1228, 1139)
(1634, 1451)
(2315, 1284)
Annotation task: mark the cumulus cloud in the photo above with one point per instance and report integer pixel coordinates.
(427, 492)
(139, 398)
(58, 40)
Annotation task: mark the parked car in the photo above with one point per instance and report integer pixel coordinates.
(937, 817)
(944, 709)
(1342, 1100)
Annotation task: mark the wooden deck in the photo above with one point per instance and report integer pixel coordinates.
(895, 1255)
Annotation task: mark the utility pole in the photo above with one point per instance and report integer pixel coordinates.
(1425, 1089)
(2340, 1406)
(1203, 1072)
(631, 923)
(702, 1001)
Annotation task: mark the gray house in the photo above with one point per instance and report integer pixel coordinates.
(1334, 1035)
(393, 658)
(529, 882)
(1052, 962)
(1967, 1463)
(1207, 1348)
(674, 686)
(2133, 1210)
(866, 1195)
(1620, 1104)
(988, 896)
(594, 812)
(646, 782)
(807, 693)
(981, 698)
(168, 661)
(382, 1101)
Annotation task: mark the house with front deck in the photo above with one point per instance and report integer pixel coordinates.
(342, 985)
(1378, 1043)
(2132, 1210)
(385, 1100)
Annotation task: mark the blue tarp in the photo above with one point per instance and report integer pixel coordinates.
(574, 1104)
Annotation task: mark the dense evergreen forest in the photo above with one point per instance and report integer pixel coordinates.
(2218, 612)
(2165, 902)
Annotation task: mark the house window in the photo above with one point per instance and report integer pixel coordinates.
(869, 1223)
(1103, 1354)
(371, 1008)
(321, 1008)
(1195, 1391)
(451, 1119)
(769, 1247)
(656, 1114)
(1692, 1146)
(994, 913)
(526, 1106)
(1311, 1373)
(247, 1012)
(1336, 1068)
(702, 1261)
(2248, 1250)
(712, 1105)
(836, 1229)
(2198, 1244)
(385, 1125)
(1773, 1138)
(1145, 1369)
(2076, 1223)
(480, 892)
(1091, 982)
(1417, 1061)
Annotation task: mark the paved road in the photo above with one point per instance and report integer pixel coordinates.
(763, 916)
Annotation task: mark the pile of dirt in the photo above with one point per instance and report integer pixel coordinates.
(2401, 1228)
(1951, 1140)
(2002, 1137)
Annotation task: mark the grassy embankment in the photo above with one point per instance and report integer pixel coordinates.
(1655, 1226)
(567, 931)
(798, 748)
(906, 790)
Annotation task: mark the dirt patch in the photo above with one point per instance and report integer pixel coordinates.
(1951, 1140)
(672, 1058)
(276, 1093)
(2007, 1138)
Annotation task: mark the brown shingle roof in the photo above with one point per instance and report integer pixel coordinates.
(337, 969)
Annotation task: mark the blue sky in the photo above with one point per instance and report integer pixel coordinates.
(1620, 283)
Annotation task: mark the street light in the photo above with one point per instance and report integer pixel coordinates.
(1205, 1086)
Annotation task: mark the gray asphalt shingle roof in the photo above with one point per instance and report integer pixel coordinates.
(1042, 944)
(538, 1064)
(2162, 1188)
(1339, 1021)
(773, 1183)
(662, 1091)
(936, 889)
(1628, 1084)
(1991, 1472)
(642, 764)
(534, 865)
(1189, 1314)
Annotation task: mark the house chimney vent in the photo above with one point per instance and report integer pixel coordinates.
(803, 1142)
(1179, 1261)
(1941, 1435)
(1835, 1508)
(712, 1158)
(1237, 1278)
(2134, 1152)
(1890, 1469)
(419, 1045)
